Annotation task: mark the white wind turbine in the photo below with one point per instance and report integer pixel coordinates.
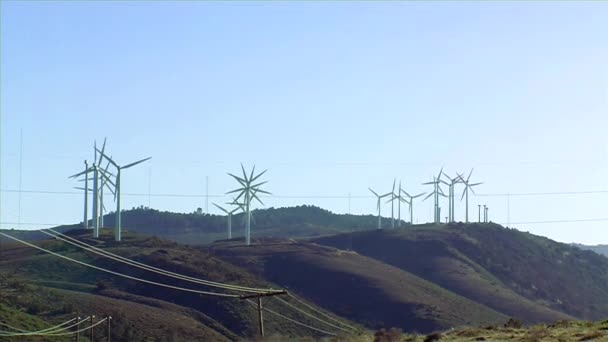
(248, 191)
(399, 200)
(468, 186)
(380, 197)
(411, 203)
(436, 192)
(118, 225)
(451, 184)
(229, 217)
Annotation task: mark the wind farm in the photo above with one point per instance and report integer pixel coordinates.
(303, 171)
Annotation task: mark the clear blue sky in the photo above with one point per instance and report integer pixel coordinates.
(330, 97)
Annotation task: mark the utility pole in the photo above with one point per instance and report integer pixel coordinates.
(260, 308)
(92, 319)
(109, 319)
(77, 328)
(485, 214)
(207, 194)
(508, 210)
(20, 175)
(349, 203)
(487, 217)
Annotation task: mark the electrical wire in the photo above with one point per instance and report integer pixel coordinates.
(218, 294)
(313, 316)
(22, 331)
(318, 311)
(293, 320)
(149, 268)
(79, 331)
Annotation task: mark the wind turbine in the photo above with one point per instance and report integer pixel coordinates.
(451, 184)
(96, 173)
(248, 191)
(436, 192)
(380, 197)
(118, 228)
(468, 186)
(229, 213)
(411, 203)
(399, 199)
(393, 197)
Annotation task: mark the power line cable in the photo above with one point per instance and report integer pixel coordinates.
(79, 331)
(22, 331)
(319, 311)
(157, 270)
(218, 294)
(313, 316)
(293, 320)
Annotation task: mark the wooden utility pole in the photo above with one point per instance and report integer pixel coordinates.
(77, 328)
(260, 308)
(109, 319)
(260, 317)
(92, 319)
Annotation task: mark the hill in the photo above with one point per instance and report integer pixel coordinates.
(516, 273)
(599, 249)
(199, 229)
(357, 287)
(167, 311)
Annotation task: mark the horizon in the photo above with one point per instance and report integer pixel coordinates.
(331, 98)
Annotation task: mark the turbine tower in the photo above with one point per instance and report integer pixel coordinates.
(118, 225)
(468, 186)
(393, 197)
(248, 191)
(400, 200)
(436, 192)
(97, 172)
(380, 197)
(229, 213)
(451, 184)
(411, 203)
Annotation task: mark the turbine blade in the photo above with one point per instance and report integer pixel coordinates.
(103, 148)
(263, 192)
(135, 163)
(257, 185)
(370, 189)
(405, 192)
(257, 198)
(251, 174)
(108, 158)
(463, 193)
(244, 173)
(258, 176)
(469, 175)
(81, 173)
(476, 184)
(440, 172)
(429, 195)
(220, 208)
(236, 190)
(239, 179)
(419, 195)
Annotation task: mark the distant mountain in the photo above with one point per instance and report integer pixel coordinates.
(199, 229)
(518, 274)
(599, 249)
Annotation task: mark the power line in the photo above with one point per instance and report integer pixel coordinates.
(143, 266)
(219, 294)
(557, 193)
(563, 221)
(319, 311)
(22, 331)
(294, 321)
(313, 316)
